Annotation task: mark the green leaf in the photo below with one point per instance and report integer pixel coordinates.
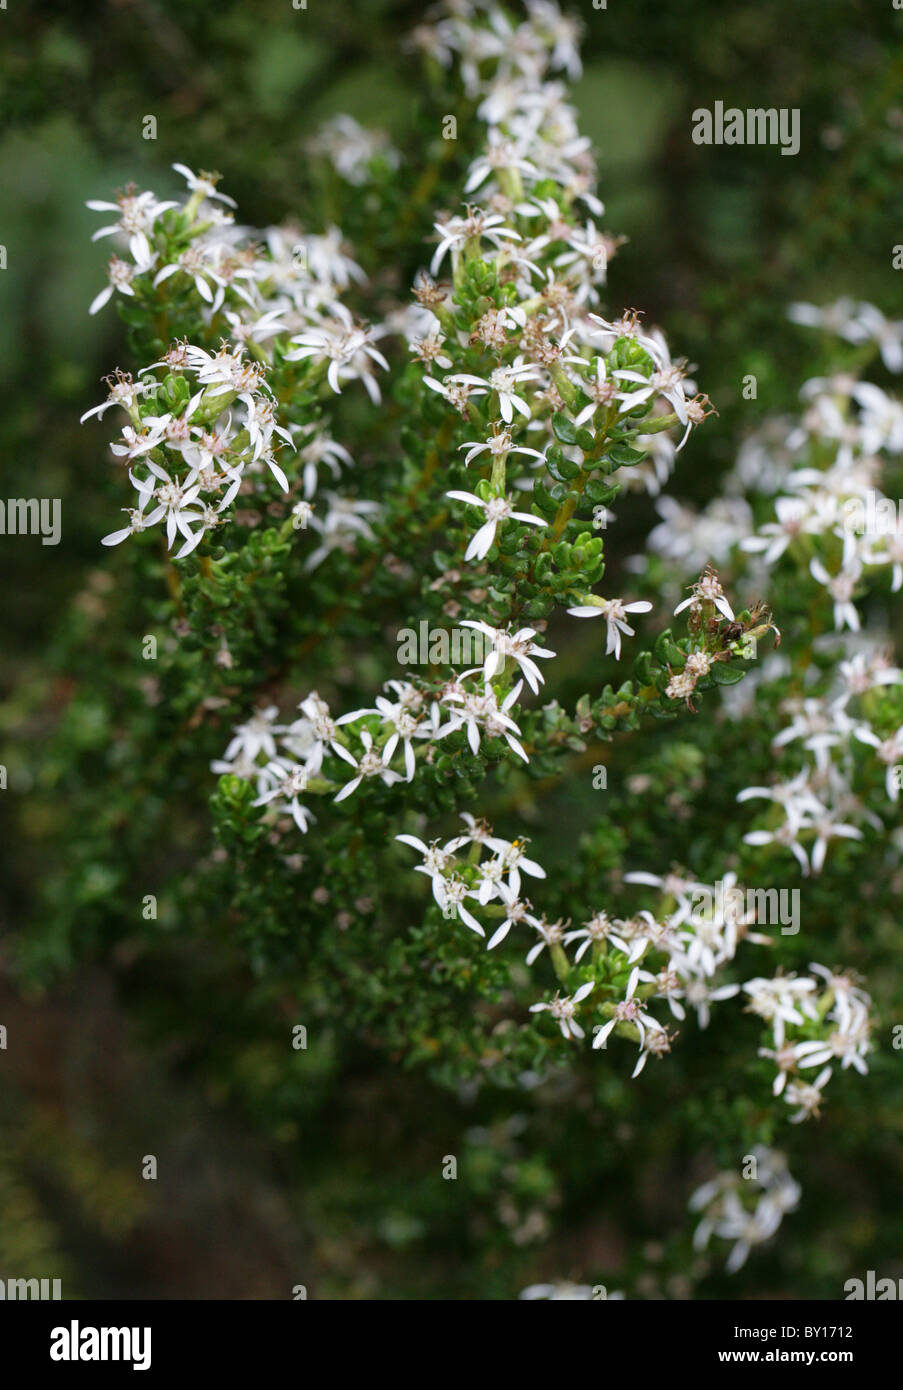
(623, 454)
(723, 674)
(563, 429)
(564, 469)
(543, 501)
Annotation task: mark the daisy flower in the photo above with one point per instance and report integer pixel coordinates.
(707, 589)
(614, 611)
(563, 1010)
(498, 444)
(456, 232)
(497, 509)
(517, 645)
(203, 183)
(370, 764)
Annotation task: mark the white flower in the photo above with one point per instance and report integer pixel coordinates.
(598, 929)
(124, 392)
(480, 711)
(174, 501)
(202, 183)
(120, 275)
(504, 381)
(870, 324)
(746, 1228)
(787, 836)
(707, 589)
(479, 832)
(851, 1003)
(673, 885)
(226, 371)
(890, 751)
(786, 1059)
(289, 781)
(599, 388)
(456, 232)
(498, 444)
(403, 725)
(563, 1010)
(866, 671)
(550, 934)
(497, 509)
(499, 154)
(880, 418)
(435, 860)
(301, 513)
(518, 645)
(255, 736)
(726, 1216)
(822, 727)
(515, 858)
(774, 537)
(450, 894)
(627, 1010)
(614, 611)
(193, 263)
(345, 520)
(316, 732)
(827, 829)
(137, 523)
(492, 881)
(135, 443)
(320, 449)
(796, 796)
(841, 587)
(349, 351)
(350, 148)
(666, 382)
(699, 994)
(260, 422)
(807, 1095)
(587, 245)
(834, 318)
(137, 215)
(369, 764)
(849, 1044)
(656, 1043)
(254, 330)
(780, 1001)
(515, 913)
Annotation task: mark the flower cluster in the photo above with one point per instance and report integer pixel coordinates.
(512, 344)
(746, 1210)
(188, 462)
(814, 1021)
(632, 963)
(206, 425)
(837, 537)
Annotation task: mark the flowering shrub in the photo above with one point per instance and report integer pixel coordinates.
(311, 460)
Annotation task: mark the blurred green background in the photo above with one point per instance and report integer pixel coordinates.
(720, 240)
